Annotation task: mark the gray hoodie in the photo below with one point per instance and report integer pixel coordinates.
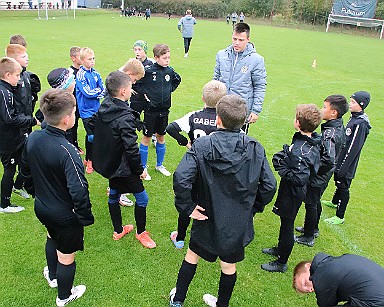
(186, 24)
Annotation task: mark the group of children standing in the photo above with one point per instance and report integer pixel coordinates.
(222, 167)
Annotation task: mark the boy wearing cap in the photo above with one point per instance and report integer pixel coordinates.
(12, 138)
(157, 85)
(89, 91)
(356, 133)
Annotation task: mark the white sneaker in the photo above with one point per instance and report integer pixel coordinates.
(125, 201)
(77, 292)
(11, 209)
(186, 55)
(210, 300)
(163, 170)
(51, 282)
(22, 192)
(147, 177)
(172, 294)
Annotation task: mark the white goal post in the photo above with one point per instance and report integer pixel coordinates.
(45, 6)
(356, 21)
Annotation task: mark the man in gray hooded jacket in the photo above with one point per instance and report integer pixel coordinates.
(185, 26)
(242, 70)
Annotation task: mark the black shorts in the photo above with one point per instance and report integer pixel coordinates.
(138, 105)
(155, 123)
(69, 239)
(12, 159)
(131, 184)
(210, 257)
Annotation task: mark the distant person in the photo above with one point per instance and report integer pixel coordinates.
(12, 139)
(195, 124)
(185, 26)
(348, 280)
(332, 141)
(89, 91)
(228, 18)
(243, 72)
(117, 156)
(356, 132)
(147, 13)
(240, 166)
(234, 19)
(296, 164)
(62, 202)
(241, 17)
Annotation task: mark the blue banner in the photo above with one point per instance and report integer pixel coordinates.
(355, 8)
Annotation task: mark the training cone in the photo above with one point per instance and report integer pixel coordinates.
(314, 64)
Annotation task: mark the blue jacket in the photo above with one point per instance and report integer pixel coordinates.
(89, 89)
(244, 74)
(186, 24)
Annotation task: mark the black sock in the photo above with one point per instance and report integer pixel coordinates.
(186, 273)
(65, 276)
(51, 256)
(182, 226)
(115, 213)
(227, 283)
(140, 218)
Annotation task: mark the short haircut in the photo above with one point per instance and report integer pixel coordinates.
(135, 67)
(213, 91)
(188, 12)
(18, 39)
(160, 49)
(55, 104)
(85, 51)
(8, 65)
(299, 269)
(115, 81)
(232, 111)
(13, 50)
(338, 103)
(242, 27)
(74, 51)
(309, 117)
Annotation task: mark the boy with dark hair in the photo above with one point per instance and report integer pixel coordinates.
(352, 279)
(18, 39)
(89, 91)
(12, 124)
(240, 166)
(297, 165)
(62, 199)
(157, 85)
(356, 132)
(332, 140)
(117, 156)
(195, 124)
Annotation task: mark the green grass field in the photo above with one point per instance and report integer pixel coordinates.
(123, 273)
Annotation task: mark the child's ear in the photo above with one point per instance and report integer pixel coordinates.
(218, 121)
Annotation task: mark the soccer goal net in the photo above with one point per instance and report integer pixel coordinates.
(52, 9)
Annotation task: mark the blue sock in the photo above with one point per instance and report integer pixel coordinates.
(160, 153)
(144, 155)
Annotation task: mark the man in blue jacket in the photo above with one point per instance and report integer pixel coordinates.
(185, 26)
(242, 70)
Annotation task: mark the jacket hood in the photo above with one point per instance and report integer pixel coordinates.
(112, 108)
(362, 116)
(228, 151)
(317, 260)
(314, 140)
(188, 17)
(250, 48)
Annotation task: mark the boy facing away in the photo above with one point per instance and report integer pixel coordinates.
(89, 91)
(157, 85)
(62, 202)
(117, 156)
(226, 160)
(195, 124)
(356, 132)
(332, 140)
(12, 125)
(297, 165)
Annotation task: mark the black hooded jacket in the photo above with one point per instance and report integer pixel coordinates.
(115, 149)
(231, 175)
(348, 278)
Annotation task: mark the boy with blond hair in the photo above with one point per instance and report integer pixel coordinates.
(215, 184)
(89, 91)
(157, 85)
(11, 137)
(297, 164)
(134, 69)
(195, 124)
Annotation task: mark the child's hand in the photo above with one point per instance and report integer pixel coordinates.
(197, 215)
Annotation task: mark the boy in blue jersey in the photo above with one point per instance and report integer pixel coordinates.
(89, 91)
(196, 124)
(159, 81)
